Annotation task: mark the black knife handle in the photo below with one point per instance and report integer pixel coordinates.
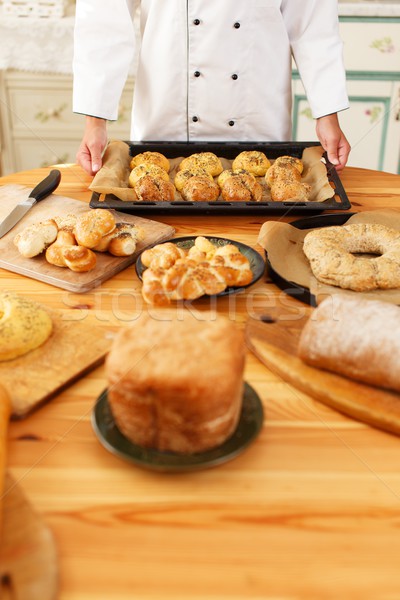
(47, 186)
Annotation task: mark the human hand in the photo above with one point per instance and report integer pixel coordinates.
(333, 140)
(92, 145)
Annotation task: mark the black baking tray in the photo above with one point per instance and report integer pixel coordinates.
(290, 287)
(227, 150)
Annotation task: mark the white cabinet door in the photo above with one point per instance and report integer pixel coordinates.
(372, 123)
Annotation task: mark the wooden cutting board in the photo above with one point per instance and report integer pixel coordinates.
(28, 557)
(73, 348)
(39, 268)
(274, 337)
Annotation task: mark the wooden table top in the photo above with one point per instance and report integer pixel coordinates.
(310, 510)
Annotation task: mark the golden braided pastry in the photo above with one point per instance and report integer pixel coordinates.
(331, 251)
(190, 276)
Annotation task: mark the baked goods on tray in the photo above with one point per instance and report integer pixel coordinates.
(24, 325)
(204, 177)
(176, 384)
(332, 255)
(354, 337)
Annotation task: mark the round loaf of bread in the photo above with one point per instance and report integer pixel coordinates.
(24, 325)
(331, 252)
(176, 384)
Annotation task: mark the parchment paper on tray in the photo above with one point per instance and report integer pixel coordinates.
(113, 176)
(284, 245)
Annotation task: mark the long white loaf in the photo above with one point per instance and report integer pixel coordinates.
(354, 337)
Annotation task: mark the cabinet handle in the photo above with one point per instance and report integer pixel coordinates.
(51, 113)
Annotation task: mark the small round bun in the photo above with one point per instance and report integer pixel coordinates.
(182, 176)
(200, 188)
(78, 258)
(150, 188)
(155, 158)
(253, 161)
(147, 169)
(203, 160)
(92, 225)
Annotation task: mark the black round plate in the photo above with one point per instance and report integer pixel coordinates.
(257, 264)
(249, 426)
(290, 287)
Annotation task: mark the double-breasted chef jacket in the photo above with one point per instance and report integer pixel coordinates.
(208, 70)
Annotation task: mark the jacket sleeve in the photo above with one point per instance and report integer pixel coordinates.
(317, 48)
(104, 46)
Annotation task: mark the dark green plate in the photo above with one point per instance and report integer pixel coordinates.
(249, 426)
(257, 264)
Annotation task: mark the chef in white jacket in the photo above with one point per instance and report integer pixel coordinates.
(208, 70)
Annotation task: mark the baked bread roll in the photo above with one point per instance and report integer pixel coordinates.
(200, 271)
(253, 161)
(176, 385)
(78, 258)
(54, 254)
(356, 338)
(332, 252)
(203, 160)
(182, 176)
(284, 179)
(150, 188)
(92, 225)
(24, 325)
(122, 241)
(66, 222)
(147, 169)
(155, 158)
(240, 186)
(34, 239)
(286, 191)
(162, 255)
(200, 188)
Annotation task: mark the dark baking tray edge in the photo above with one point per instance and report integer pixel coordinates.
(229, 149)
(290, 287)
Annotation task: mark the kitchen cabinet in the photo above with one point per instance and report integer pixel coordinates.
(38, 127)
(372, 124)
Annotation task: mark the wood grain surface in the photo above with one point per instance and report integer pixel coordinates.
(274, 337)
(309, 511)
(73, 348)
(57, 205)
(28, 554)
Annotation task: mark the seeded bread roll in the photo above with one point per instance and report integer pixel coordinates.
(24, 325)
(176, 384)
(356, 338)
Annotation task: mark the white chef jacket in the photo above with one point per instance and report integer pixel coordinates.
(208, 69)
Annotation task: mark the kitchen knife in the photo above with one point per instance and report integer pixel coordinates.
(42, 190)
